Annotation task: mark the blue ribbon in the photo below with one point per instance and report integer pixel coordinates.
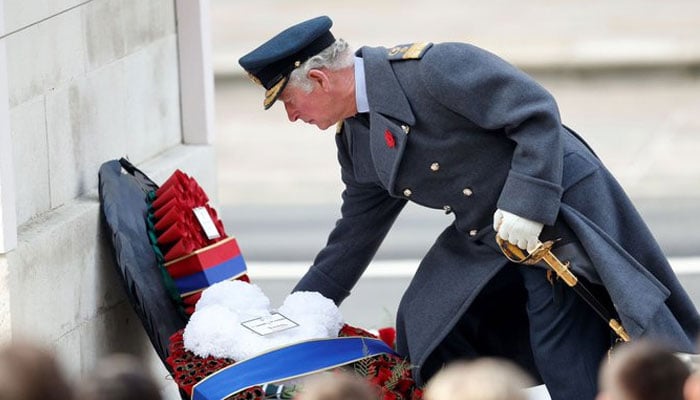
(288, 362)
(205, 278)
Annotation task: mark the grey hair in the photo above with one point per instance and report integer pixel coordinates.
(337, 56)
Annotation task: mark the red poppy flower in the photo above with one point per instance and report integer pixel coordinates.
(389, 138)
(388, 336)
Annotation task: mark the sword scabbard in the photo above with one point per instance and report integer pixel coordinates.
(617, 327)
(561, 268)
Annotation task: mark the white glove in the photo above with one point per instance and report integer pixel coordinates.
(519, 231)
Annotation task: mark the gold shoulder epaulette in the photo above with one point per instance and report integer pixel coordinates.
(339, 128)
(412, 51)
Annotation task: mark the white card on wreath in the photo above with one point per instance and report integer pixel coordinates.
(206, 223)
(267, 325)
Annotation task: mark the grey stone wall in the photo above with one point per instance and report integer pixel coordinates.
(91, 82)
(88, 81)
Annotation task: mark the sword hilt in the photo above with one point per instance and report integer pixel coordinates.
(542, 252)
(520, 256)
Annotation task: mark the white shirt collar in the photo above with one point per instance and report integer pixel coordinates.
(360, 86)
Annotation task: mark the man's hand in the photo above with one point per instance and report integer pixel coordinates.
(519, 231)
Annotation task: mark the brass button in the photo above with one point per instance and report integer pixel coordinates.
(473, 232)
(405, 128)
(467, 192)
(435, 167)
(447, 209)
(407, 192)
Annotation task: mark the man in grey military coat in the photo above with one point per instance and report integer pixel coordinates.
(453, 127)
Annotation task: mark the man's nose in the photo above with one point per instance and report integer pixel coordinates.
(291, 114)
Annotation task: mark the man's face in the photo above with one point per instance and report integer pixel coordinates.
(313, 107)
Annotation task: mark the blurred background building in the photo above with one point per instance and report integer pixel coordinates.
(85, 81)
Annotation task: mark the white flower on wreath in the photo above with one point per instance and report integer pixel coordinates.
(215, 327)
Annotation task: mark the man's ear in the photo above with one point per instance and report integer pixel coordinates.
(320, 78)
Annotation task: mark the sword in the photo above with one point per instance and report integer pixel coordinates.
(543, 252)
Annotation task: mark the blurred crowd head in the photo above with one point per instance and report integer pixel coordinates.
(119, 377)
(31, 372)
(482, 379)
(643, 370)
(337, 386)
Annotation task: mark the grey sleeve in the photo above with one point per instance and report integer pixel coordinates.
(367, 214)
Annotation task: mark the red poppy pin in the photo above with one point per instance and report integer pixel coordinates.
(389, 138)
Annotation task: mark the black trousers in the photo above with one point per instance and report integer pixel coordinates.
(542, 326)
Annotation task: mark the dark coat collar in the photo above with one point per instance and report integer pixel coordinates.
(383, 89)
